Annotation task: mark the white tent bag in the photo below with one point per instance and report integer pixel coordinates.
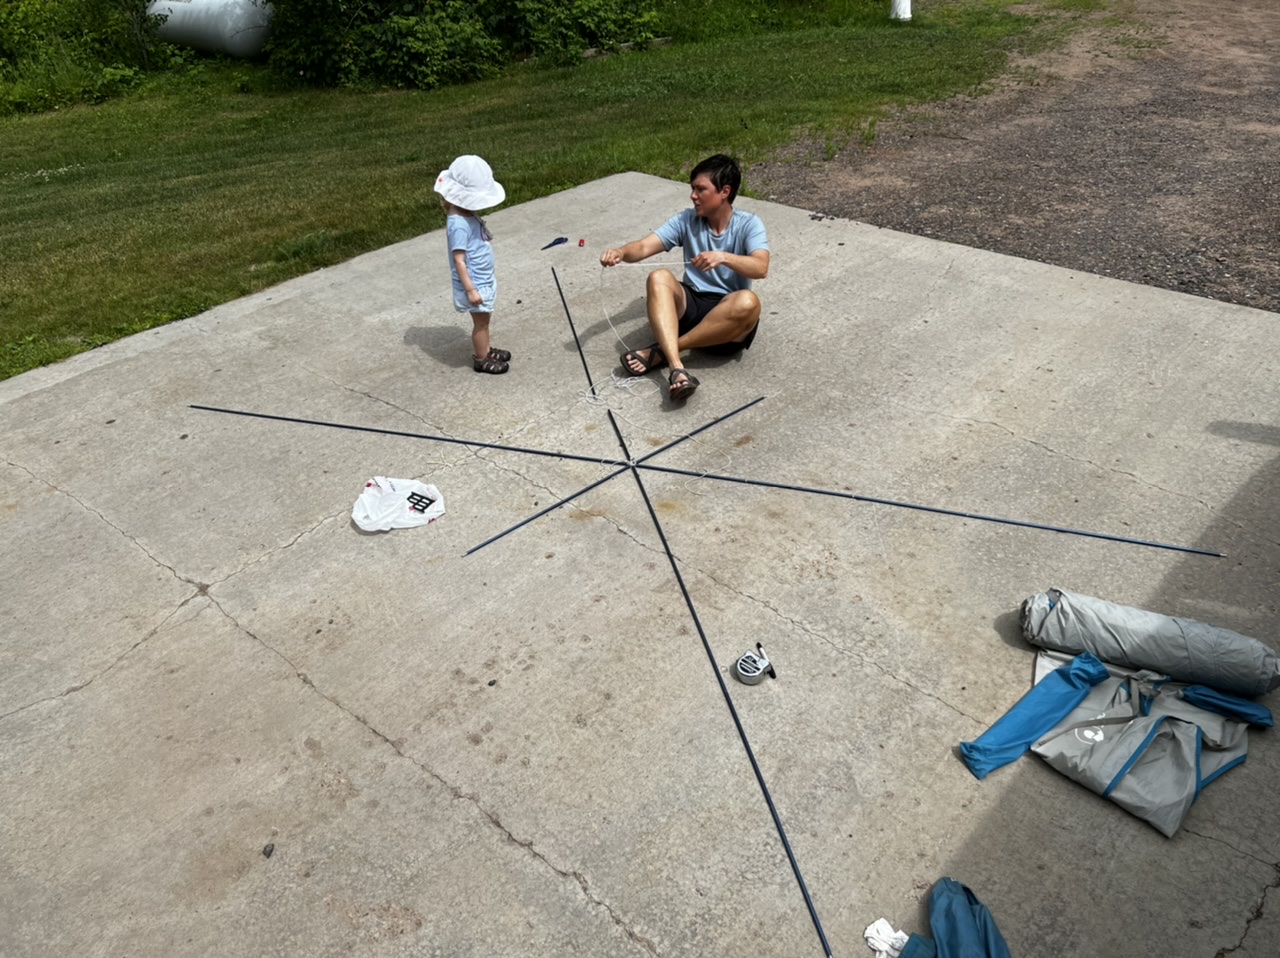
(396, 504)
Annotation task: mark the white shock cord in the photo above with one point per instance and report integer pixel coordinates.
(629, 383)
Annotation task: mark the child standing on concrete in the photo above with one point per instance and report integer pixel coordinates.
(466, 187)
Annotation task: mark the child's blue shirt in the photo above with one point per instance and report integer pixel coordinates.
(467, 233)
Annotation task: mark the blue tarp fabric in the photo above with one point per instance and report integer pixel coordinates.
(962, 927)
(1229, 705)
(1047, 704)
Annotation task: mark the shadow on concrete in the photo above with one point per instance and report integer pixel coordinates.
(630, 320)
(1008, 625)
(1241, 591)
(450, 345)
(1040, 813)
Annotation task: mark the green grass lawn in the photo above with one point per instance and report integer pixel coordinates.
(217, 182)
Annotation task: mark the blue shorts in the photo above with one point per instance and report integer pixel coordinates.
(463, 305)
(696, 306)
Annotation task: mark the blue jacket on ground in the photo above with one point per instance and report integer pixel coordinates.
(962, 926)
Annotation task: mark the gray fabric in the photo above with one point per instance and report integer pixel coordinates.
(1175, 748)
(1186, 650)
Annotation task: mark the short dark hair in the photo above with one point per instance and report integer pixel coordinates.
(722, 171)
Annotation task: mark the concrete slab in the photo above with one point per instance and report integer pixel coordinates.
(525, 751)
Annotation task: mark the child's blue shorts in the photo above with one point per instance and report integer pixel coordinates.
(463, 305)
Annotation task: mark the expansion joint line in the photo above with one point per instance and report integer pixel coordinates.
(455, 791)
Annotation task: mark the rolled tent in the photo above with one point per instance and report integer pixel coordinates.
(1185, 650)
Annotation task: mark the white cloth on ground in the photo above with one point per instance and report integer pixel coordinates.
(884, 940)
(396, 504)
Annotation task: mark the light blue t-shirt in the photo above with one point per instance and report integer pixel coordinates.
(743, 236)
(469, 233)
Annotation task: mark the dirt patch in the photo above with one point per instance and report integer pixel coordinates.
(1147, 149)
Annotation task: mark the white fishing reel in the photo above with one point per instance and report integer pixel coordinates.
(752, 667)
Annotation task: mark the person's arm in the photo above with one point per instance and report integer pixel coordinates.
(460, 262)
(755, 265)
(633, 252)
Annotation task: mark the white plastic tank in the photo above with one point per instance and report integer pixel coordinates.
(238, 28)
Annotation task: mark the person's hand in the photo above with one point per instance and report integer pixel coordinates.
(474, 297)
(708, 260)
(611, 257)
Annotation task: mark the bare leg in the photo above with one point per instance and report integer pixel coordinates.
(730, 322)
(480, 334)
(665, 303)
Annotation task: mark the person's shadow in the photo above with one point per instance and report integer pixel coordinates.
(629, 322)
(449, 345)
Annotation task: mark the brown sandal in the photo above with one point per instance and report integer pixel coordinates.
(682, 384)
(655, 361)
(498, 355)
(488, 365)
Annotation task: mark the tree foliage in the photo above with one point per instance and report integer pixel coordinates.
(425, 43)
(54, 52)
(58, 51)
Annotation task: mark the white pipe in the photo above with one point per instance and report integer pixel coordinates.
(238, 28)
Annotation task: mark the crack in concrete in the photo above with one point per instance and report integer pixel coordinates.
(453, 790)
(1054, 452)
(564, 501)
(863, 659)
(529, 424)
(199, 588)
(647, 943)
(1238, 851)
(368, 395)
(1257, 913)
(88, 508)
(278, 549)
(116, 661)
(938, 281)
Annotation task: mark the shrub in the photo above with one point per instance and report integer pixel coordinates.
(347, 42)
(426, 43)
(439, 46)
(54, 52)
(559, 30)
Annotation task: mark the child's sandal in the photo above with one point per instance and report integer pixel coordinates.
(500, 355)
(488, 365)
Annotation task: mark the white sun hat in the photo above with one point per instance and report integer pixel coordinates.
(468, 183)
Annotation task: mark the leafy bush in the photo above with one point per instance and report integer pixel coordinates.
(348, 42)
(559, 30)
(426, 43)
(437, 47)
(54, 52)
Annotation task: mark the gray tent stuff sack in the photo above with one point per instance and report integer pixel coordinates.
(1185, 650)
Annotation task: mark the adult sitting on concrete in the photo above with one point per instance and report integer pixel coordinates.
(713, 307)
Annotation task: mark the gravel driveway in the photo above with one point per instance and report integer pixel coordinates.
(1147, 149)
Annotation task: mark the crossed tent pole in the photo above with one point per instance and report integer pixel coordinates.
(636, 466)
